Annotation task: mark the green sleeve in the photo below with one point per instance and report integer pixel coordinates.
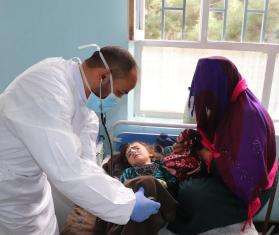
(169, 178)
(127, 174)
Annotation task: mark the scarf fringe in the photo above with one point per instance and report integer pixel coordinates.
(253, 208)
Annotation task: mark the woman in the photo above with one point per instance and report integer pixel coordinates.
(239, 140)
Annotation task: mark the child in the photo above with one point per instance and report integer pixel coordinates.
(140, 157)
(144, 171)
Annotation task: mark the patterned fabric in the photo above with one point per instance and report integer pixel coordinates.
(186, 163)
(163, 143)
(156, 169)
(235, 128)
(149, 169)
(183, 165)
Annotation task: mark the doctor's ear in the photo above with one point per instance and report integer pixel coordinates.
(105, 75)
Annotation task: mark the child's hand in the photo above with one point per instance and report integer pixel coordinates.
(171, 171)
(163, 183)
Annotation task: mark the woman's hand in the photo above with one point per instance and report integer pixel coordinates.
(171, 171)
(206, 156)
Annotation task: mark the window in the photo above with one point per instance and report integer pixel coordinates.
(174, 34)
(168, 71)
(274, 98)
(229, 20)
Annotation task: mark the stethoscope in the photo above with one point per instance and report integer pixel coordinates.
(102, 114)
(104, 122)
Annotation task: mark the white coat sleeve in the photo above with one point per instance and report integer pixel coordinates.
(88, 135)
(38, 110)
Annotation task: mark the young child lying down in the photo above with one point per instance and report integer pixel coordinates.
(158, 183)
(141, 158)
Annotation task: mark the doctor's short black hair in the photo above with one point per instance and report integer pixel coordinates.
(119, 60)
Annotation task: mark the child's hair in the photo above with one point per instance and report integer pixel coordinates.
(124, 148)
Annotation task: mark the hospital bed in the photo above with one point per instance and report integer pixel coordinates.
(124, 131)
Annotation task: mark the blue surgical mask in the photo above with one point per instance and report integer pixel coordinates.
(99, 105)
(94, 102)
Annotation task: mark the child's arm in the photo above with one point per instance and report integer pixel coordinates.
(168, 177)
(127, 174)
(171, 181)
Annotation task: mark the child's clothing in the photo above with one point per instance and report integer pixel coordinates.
(156, 169)
(151, 226)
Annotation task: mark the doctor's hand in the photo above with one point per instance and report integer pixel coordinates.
(144, 207)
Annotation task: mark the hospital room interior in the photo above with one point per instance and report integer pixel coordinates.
(139, 117)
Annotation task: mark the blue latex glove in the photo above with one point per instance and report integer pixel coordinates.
(144, 207)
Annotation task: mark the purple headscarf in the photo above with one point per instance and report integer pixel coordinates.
(235, 128)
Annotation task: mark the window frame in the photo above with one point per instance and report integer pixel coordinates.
(271, 50)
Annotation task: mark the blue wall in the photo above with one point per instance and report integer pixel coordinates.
(32, 30)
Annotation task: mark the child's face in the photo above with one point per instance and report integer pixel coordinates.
(137, 154)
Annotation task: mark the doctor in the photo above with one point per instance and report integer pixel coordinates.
(48, 133)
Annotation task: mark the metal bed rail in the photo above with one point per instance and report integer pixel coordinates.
(150, 124)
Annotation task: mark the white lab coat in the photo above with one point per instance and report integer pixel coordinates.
(47, 133)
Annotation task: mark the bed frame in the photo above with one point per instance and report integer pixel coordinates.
(144, 131)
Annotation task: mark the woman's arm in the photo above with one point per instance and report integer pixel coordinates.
(206, 156)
